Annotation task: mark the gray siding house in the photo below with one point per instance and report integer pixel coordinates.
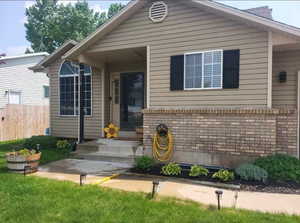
(19, 84)
(224, 81)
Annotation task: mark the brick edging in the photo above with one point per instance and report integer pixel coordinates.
(263, 111)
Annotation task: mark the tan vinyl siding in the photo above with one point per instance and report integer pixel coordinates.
(67, 126)
(285, 94)
(190, 29)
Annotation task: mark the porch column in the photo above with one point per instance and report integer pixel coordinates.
(81, 90)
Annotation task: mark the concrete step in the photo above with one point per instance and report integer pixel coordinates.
(108, 149)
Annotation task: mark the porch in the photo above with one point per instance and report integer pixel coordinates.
(124, 81)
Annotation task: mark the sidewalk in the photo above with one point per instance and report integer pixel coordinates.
(256, 201)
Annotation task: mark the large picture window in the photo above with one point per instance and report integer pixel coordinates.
(203, 70)
(68, 81)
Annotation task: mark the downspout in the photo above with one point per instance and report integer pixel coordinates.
(81, 91)
(298, 116)
(103, 70)
(270, 69)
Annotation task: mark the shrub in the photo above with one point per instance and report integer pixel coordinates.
(198, 171)
(46, 142)
(64, 145)
(251, 172)
(171, 169)
(144, 163)
(224, 175)
(280, 167)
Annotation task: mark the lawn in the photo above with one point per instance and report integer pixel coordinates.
(32, 199)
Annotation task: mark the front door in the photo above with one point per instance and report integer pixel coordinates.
(131, 100)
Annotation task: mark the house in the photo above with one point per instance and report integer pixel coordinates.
(225, 81)
(24, 97)
(19, 84)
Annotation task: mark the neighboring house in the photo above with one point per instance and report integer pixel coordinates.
(19, 84)
(225, 81)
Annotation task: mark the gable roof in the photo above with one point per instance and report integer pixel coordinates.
(244, 16)
(53, 56)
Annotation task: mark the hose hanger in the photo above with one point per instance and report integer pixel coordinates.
(162, 147)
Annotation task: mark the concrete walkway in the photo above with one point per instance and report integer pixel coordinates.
(264, 202)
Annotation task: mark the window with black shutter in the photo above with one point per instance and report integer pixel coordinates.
(231, 69)
(177, 73)
(215, 69)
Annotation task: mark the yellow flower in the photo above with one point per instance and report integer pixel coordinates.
(111, 131)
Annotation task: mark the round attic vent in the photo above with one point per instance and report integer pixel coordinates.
(158, 11)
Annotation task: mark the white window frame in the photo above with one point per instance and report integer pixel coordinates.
(202, 78)
(74, 75)
(15, 91)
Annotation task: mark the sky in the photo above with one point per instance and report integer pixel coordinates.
(12, 18)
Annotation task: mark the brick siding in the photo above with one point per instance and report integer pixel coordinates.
(225, 137)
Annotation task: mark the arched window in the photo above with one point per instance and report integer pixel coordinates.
(68, 85)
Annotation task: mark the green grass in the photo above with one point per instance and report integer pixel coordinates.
(32, 199)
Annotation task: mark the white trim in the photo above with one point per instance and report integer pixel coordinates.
(298, 116)
(202, 80)
(75, 75)
(102, 102)
(134, 5)
(157, 20)
(270, 68)
(148, 77)
(249, 17)
(24, 56)
(105, 28)
(53, 55)
(15, 91)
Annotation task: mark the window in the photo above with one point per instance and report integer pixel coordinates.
(14, 97)
(117, 91)
(46, 91)
(69, 101)
(203, 70)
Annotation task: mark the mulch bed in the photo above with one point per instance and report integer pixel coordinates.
(269, 187)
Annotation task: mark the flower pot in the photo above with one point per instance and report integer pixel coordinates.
(17, 163)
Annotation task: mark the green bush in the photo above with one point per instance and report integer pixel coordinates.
(280, 167)
(46, 142)
(171, 169)
(144, 163)
(64, 146)
(224, 175)
(196, 171)
(251, 172)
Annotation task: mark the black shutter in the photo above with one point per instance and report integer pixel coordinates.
(177, 71)
(231, 68)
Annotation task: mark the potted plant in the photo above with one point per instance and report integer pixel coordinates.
(18, 160)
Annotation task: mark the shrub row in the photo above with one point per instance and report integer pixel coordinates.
(47, 142)
(145, 163)
(277, 167)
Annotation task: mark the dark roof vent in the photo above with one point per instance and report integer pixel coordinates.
(158, 11)
(263, 11)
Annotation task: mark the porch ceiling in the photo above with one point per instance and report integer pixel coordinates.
(129, 55)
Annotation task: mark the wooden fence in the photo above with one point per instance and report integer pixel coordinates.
(23, 121)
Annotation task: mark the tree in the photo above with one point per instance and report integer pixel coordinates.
(50, 24)
(114, 9)
(28, 51)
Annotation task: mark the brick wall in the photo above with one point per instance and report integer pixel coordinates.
(225, 137)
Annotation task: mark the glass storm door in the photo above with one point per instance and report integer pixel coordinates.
(132, 100)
